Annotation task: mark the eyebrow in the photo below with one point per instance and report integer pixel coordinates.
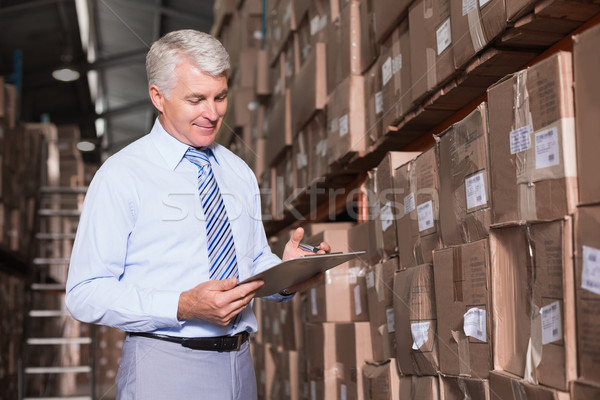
(202, 96)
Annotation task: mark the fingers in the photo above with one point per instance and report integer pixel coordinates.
(325, 248)
(297, 236)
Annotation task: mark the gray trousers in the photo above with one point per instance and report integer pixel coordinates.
(153, 369)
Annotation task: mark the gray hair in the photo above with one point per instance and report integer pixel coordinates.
(204, 50)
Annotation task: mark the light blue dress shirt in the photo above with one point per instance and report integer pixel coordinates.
(141, 240)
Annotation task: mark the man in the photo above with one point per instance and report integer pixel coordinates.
(170, 224)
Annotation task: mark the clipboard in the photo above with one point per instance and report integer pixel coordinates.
(296, 270)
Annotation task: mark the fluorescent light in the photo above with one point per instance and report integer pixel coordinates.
(65, 74)
(84, 145)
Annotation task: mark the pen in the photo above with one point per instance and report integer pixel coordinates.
(307, 247)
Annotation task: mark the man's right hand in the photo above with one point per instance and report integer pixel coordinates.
(216, 301)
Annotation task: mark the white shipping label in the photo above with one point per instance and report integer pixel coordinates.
(343, 125)
(520, 139)
(389, 316)
(474, 324)
(386, 216)
(425, 215)
(370, 278)
(313, 301)
(276, 326)
(333, 126)
(443, 36)
(397, 64)
(551, 323)
(546, 148)
(468, 6)
(287, 388)
(321, 148)
(301, 160)
(475, 188)
(420, 334)
(386, 71)
(590, 274)
(357, 305)
(282, 315)
(258, 35)
(343, 392)
(409, 203)
(483, 3)
(315, 25)
(313, 390)
(379, 102)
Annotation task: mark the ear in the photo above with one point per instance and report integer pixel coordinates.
(157, 97)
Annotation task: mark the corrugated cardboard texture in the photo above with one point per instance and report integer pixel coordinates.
(460, 388)
(346, 120)
(505, 386)
(380, 299)
(462, 152)
(586, 59)
(587, 245)
(417, 228)
(387, 209)
(318, 155)
(415, 321)
(279, 131)
(431, 45)
(462, 282)
(419, 388)
(532, 276)
(584, 391)
(532, 143)
(321, 365)
(309, 90)
(350, 44)
(386, 15)
(394, 76)
(352, 351)
(381, 381)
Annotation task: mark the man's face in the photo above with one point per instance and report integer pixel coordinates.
(194, 111)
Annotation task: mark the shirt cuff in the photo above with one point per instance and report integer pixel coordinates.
(164, 309)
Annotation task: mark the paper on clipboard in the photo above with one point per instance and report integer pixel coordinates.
(296, 270)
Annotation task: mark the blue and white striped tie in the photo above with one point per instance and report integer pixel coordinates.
(221, 249)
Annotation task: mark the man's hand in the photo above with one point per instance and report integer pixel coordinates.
(216, 301)
(292, 251)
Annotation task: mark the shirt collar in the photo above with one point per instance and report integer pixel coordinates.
(171, 148)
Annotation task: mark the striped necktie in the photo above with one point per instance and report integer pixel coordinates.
(221, 249)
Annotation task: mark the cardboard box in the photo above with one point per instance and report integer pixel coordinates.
(280, 25)
(587, 245)
(266, 194)
(459, 388)
(300, 149)
(474, 26)
(395, 77)
(286, 383)
(431, 46)
(386, 16)
(506, 386)
(387, 210)
(309, 89)
(380, 299)
(291, 60)
(350, 44)
(462, 152)
(381, 381)
(346, 120)
(318, 155)
(587, 120)
(517, 8)
(532, 145)
(291, 322)
(418, 231)
(581, 390)
(322, 368)
(263, 85)
(284, 183)
(279, 128)
(463, 309)
(352, 351)
(415, 321)
(373, 103)
(419, 388)
(533, 298)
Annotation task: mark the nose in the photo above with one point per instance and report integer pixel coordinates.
(209, 111)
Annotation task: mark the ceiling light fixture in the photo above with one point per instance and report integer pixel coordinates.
(65, 72)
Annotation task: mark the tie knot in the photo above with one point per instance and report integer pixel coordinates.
(197, 157)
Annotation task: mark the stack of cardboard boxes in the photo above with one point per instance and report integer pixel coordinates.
(481, 253)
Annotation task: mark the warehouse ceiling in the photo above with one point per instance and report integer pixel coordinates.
(106, 42)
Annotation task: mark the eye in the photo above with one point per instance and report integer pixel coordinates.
(222, 97)
(194, 100)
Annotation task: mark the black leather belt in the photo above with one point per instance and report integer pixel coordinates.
(217, 343)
